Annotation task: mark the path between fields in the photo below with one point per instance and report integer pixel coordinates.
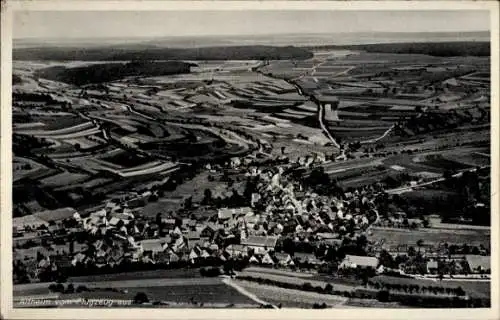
(243, 291)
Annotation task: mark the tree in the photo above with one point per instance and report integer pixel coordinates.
(448, 174)
(70, 288)
(188, 203)
(140, 298)
(425, 223)
(207, 196)
(228, 267)
(420, 243)
(459, 291)
(307, 286)
(405, 222)
(411, 251)
(59, 287)
(386, 259)
(328, 288)
(361, 241)
(383, 296)
(81, 288)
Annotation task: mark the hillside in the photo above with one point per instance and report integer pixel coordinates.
(438, 49)
(120, 53)
(106, 72)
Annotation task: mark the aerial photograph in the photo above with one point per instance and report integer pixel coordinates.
(251, 159)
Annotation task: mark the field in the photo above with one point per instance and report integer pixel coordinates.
(167, 274)
(64, 178)
(213, 293)
(394, 237)
(295, 280)
(290, 298)
(51, 122)
(172, 287)
(125, 159)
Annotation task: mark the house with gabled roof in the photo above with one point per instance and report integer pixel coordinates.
(179, 243)
(152, 246)
(237, 250)
(163, 257)
(147, 259)
(284, 259)
(78, 258)
(260, 244)
(267, 259)
(195, 254)
(223, 255)
(254, 260)
(173, 257)
(306, 258)
(207, 232)
(205, 254)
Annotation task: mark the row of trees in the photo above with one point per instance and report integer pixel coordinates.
(70, 288)
(415, 288)
(432, 301)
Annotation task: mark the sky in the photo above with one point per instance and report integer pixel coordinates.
(146, 24)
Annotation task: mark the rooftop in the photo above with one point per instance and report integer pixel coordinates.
(227, 213)
(260, 241)
(477, 261)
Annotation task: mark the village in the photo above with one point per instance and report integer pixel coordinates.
(278, 222)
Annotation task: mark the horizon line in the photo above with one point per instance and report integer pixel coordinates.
(249, 35)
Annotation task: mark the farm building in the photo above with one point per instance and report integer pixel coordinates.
(432, 267)
(351, 261)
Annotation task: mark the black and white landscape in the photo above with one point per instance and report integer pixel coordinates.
(251, 159)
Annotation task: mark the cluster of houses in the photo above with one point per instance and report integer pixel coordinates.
(279, 209)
